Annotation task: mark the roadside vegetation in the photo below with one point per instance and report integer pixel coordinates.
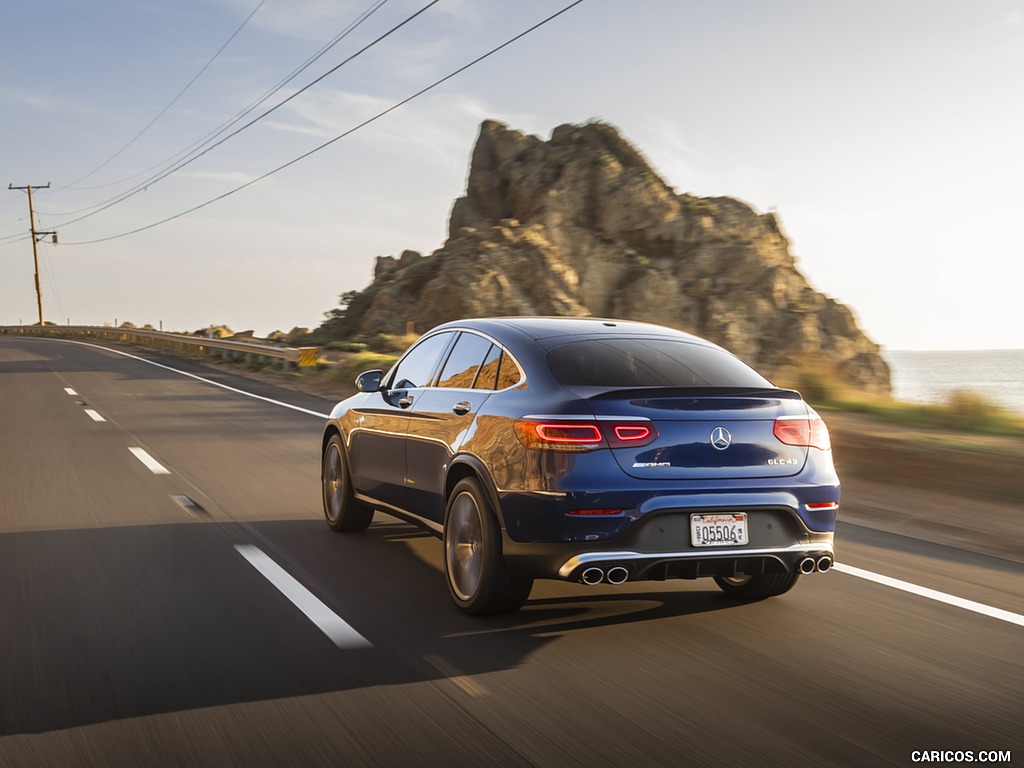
(962, 411)
(380, 351)
(346, 370)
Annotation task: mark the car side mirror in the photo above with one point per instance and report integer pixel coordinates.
(369, 381)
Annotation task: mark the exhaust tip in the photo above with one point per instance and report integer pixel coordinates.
(592, 576)
(617, 575)
(807, 565)
(824, 564)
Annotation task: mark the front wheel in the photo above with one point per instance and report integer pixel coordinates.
(479, 581)
(344, 512)
(757, 587)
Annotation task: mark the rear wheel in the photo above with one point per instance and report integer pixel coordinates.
(344, 512)
(479, 581)
(756, 587)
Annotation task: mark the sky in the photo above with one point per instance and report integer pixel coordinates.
(887, 135)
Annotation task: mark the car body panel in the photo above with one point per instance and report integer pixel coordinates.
(440, 422)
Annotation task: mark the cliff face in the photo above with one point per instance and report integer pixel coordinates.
(581, 225)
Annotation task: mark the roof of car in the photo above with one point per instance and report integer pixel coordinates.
(549, 327)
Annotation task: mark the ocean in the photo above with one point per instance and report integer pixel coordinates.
(928, 377)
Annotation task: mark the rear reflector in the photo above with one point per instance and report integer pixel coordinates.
(593, 512)
(821, 506)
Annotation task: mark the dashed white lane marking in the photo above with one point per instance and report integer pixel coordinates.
(932, 594)
(70, 391)
(93, 415)
(330, 623)
(154, 466)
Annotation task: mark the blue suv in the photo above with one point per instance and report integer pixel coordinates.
(590, 450)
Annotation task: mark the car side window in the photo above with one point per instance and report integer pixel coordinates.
(508, 372)
(460, 371)
(417, 368)
(488, 376)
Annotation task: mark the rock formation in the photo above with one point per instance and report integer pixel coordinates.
(581, 225)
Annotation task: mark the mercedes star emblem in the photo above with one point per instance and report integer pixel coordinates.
(720, 438)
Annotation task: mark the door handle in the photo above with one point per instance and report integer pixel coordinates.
(406, 401)
(462, 408)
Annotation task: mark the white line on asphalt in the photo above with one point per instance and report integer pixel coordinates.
(200, 378)
(70, 391)
(932, 594)
(154, 466)
(332, 625)
(93, 415)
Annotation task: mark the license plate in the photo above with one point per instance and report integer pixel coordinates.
(718, 530)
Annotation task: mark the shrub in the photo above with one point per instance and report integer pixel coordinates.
(965, 409)
(347, 371)
(385, 342)
(347, 346)
(818, 387)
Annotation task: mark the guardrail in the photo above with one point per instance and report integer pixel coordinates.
(176, 343)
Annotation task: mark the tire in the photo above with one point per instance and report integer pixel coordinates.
(343, 511)
(758, 587)
(479, 581)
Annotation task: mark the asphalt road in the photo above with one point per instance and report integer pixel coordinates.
(136, 628)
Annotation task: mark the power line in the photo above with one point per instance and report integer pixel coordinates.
(195, 156)
(328, 143)
(172, 101)
(366, 14)
(12, 239)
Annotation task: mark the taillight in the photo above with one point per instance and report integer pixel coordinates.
(801, 430)
(632, 433)
(569, 434)
(579, 436)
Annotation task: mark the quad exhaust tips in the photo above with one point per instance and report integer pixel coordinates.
(810, 565)
(617, 574)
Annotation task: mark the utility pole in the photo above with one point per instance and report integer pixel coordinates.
(35, 240)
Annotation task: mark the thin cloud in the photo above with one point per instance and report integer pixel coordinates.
(25, 98)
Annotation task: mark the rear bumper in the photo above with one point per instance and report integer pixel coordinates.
(691, 565)
(659, 548)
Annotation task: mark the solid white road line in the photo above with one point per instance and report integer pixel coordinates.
(154, 466)
(932, 594)
(332, 625)
(93, 415)
(70, 391)
(199, 378)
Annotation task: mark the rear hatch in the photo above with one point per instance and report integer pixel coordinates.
(715, 416)
(705, 433)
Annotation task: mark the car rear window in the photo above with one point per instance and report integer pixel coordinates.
(649, 363)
